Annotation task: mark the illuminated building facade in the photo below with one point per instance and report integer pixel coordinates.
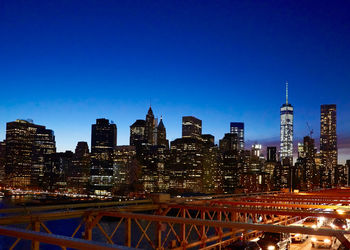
(306, 164)
(126, 169)
(144, 132)
(191, 127)
(229, 143)
(2, 161)
(286, 130)
(238, 128)
(256, 150)
(78, 176)
(57, 168)
(103, 136)
(328, 142)
(137, 133)
(271, 154)
(103, 143)
(27, 144)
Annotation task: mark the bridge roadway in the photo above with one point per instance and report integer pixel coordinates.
(181, 223)
(307, 245)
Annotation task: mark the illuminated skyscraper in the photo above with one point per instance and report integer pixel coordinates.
(103, 136)
(150, 127)
(271, 154)
(27, 144)
(238, 128)
(286, 131)
(328, 141)
(191, 127)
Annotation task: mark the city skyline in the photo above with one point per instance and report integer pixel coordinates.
(221, 62)
(342, 158)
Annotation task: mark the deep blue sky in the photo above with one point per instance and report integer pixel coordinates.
(66, 63)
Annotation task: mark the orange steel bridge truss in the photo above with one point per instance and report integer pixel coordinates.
(200, 223)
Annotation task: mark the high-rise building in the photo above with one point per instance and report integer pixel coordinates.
(144, 132)
(26, 146)
(161, 135)
(238, 128)
(150, 127)
(2, 161)
(191, 127)
(193, 165)
(208, 139)
(57, 167)
(103, 136)
(328, 141)
(301, 152)
(271, 154)
(82, 148)
(286, 130)
(78, 175)
(256, 150)
(270, 167)
(306, 164)
(347, 166)
(137, 133)
(103, 143)
(229, 143)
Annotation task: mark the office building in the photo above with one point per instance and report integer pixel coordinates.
(256, 150)
(79, 174)
(137, 133)
(150, 128)
(328, 142)
(26, 146)
(103, 136)
(229, 143)
(238, 128)
(191, 127)
(161, 135)
(271, 154)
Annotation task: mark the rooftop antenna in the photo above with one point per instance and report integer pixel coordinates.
(286, 92)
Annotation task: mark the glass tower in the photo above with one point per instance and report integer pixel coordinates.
(286, 129)
(328, 141)
(238, 128)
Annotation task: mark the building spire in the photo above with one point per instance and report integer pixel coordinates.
(286, 92)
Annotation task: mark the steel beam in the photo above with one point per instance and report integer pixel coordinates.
(238, 225)
(287, 212)
(57, 240)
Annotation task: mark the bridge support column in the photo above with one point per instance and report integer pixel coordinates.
(36, 228)
(202, 230)
(128, 232)
(219, 230)
(183, 230)
(88, 228)
(159, 236)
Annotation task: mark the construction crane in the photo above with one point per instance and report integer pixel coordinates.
(311, 131)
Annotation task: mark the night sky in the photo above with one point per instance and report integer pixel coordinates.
(66, 63)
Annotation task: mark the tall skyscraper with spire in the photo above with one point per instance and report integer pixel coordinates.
(286, 129)
(150, 127)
